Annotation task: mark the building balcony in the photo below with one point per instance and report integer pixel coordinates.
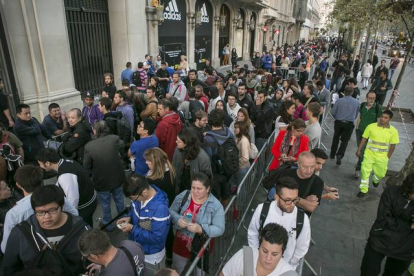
(260, 3)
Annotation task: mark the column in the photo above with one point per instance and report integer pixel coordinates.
(191, 40)
(215, 58)
(40, 54)
(246, 37)
(129, 34)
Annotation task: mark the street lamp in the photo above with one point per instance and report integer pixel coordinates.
(160, 13)
(198, 18)
(222, 21)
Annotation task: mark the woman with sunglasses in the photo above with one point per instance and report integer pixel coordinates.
(289, 144)
(196, 215)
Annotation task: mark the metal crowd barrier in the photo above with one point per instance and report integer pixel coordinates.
(235, 213)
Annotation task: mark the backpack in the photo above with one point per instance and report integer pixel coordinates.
(227, 158)
(123, 129)
(376, 107)
(273, 176)
(51, 258)
(193, 108)
(136, 78)
(300, 217)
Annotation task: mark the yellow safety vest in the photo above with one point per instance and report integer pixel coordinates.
(380, 138)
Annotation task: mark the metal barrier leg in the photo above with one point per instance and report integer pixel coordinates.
(323, 146)
(313, 242)
(311, 268)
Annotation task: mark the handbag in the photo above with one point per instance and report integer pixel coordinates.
(196, 245)
(253, 152)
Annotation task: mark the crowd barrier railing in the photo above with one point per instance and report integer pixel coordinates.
(235, 214)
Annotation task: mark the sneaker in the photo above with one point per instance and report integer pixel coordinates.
(338, 160)
(357, 174)
(375, 184)
(360, 195)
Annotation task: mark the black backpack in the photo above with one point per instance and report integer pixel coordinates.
(136, 78)
(273, 176)
(123, 129)
(52, 259)
(227, 159)
(300, 217)
(193, 108)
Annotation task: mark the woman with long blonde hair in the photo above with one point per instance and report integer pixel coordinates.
(161, 172)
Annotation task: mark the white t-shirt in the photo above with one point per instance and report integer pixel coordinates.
(234, 266)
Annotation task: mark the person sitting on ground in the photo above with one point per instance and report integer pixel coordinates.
(74, 181)
(266, 260)
(195, 213)
(313, 129)
(148, 140)
(79, 135)
(47, 228)
(148, 221)
(55, 122)
(289, 144)
(200, 125)
(9, 141)
(30, 132)
(28, 179)
(189, 159)
(243, 116)
(283, 210)
(8, 199)
(96, 247)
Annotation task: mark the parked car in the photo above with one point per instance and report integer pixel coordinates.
(394, 51)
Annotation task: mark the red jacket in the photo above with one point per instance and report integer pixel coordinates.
(166, 132)
(303, 146)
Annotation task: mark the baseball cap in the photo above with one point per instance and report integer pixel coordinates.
(89, 94)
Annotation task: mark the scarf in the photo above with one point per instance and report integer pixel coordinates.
(286, 144)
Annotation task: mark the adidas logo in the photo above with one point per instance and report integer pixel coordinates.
(172, 12)
(204, 15)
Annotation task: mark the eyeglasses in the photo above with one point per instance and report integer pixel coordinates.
(85, 258)
(289, 201)
(51, 211)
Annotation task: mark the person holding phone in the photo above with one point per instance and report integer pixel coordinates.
(195, 213)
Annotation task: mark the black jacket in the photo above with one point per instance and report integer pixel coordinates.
(111, 121)
(263, 120)
(110, 90)
(32, 134)
(248, 104)
(339, 69)
(391, 233)
(102, 158)
(303, 78)
(74, 142)
(192, 83)
(21, 252)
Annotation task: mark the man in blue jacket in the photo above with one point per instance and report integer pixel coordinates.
(148, 221)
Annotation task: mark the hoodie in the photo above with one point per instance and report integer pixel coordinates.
(21, 252)
(155, 215)
(213, 138)
(166, 132)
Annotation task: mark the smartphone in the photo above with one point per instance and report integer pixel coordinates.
(189, 218)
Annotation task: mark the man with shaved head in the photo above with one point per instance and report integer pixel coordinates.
(79, 135)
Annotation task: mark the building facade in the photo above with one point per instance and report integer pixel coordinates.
(54, 50)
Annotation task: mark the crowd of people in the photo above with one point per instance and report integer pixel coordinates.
(178, 144)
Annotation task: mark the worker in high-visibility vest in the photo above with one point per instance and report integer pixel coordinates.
(382, 138)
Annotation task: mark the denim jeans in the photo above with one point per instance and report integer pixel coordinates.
(392, 71)
(337, 83)
(105, 200)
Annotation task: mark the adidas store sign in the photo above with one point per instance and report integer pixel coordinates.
(204, 16)
(171, 11)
